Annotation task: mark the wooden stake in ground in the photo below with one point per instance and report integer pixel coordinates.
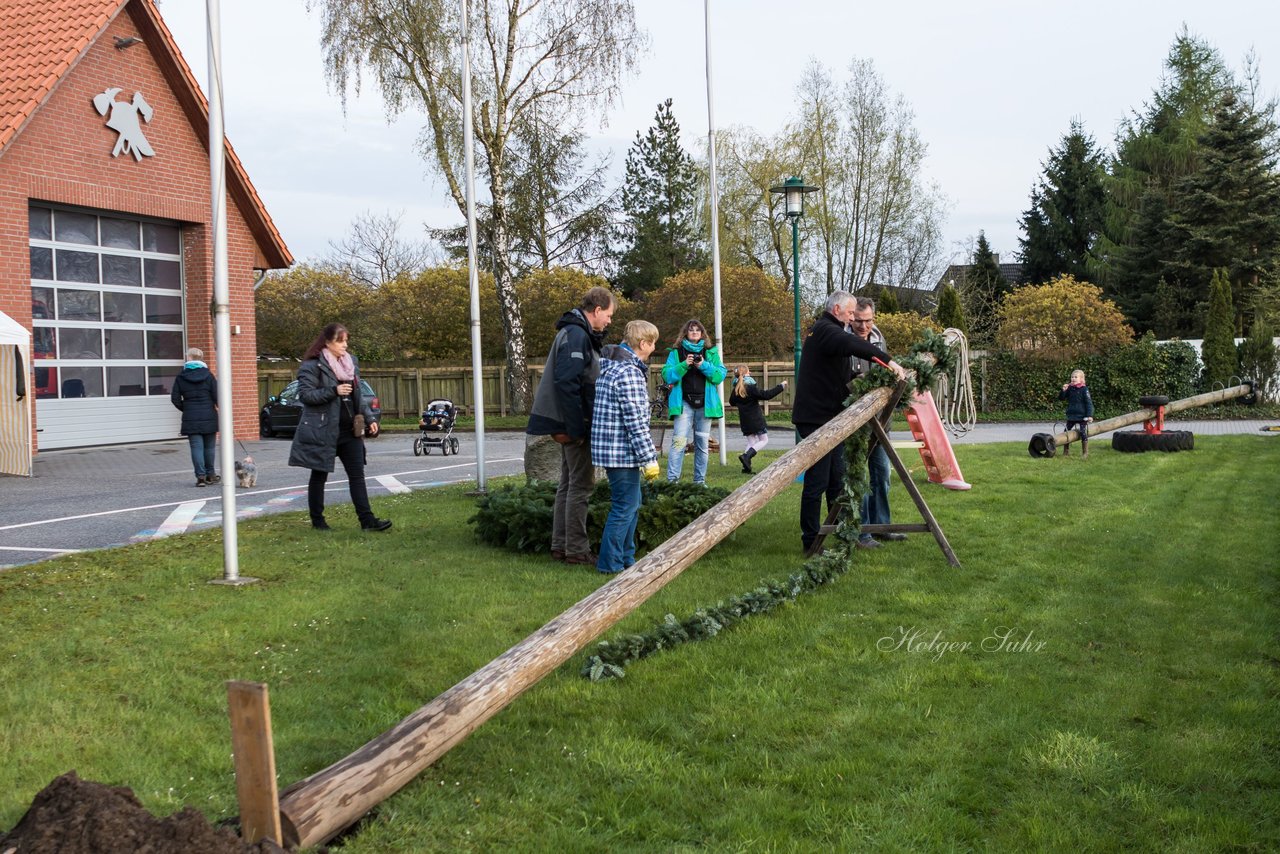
(250, 711)
(317, 808)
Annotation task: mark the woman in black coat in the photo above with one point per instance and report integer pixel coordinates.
(746, 395)
(329, 388)
(195, 393)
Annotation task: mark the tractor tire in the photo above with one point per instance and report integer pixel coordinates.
(1137, 442)
(1151, 401)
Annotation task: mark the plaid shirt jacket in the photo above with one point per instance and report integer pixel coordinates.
(620, 421)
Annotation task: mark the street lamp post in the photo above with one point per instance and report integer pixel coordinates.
(793, 191)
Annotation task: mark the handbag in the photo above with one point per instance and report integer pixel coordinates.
(357, 420)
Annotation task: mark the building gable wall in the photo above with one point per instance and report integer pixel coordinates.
(63, 155)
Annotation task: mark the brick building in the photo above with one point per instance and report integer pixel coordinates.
(105, 223)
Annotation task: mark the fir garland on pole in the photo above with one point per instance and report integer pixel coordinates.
(929, 358)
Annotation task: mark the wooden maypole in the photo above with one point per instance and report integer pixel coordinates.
(317, 808)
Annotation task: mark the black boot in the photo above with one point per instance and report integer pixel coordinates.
(745, 459)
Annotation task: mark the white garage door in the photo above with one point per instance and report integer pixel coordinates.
(108, 326)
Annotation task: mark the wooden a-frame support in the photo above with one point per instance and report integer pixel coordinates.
(879, 436)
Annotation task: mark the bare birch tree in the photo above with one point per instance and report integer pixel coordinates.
(566, 55)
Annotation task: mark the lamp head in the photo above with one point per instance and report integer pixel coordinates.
(793, 190)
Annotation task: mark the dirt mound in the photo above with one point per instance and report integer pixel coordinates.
(74, 816)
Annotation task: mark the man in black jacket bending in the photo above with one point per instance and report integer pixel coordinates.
(821, 388)
(562, 410)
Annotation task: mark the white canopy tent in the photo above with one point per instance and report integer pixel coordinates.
(15, 397)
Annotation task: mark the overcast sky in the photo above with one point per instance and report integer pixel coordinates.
(994, 85)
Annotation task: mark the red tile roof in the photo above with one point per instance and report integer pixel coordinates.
(43, 39)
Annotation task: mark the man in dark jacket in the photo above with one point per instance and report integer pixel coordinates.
(195, 392)
(562, 410)
(821, 388)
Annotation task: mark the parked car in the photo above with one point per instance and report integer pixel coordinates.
(284, 410)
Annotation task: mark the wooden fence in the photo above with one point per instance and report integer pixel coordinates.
(405, 391)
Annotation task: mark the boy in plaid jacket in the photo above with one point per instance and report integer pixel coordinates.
(620, 440)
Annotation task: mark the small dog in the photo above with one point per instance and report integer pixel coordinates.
(246, 473)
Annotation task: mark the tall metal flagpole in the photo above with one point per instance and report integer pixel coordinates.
(473, 274)
(222, 298)
(715, 222)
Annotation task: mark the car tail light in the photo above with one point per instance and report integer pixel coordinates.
(375, 403)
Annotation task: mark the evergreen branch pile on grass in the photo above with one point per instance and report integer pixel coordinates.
(519, 517)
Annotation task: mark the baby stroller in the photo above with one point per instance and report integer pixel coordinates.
(436, 425)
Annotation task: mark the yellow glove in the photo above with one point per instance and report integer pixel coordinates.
(650, 471)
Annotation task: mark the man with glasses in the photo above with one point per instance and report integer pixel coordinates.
(875, 504)
(821, 388)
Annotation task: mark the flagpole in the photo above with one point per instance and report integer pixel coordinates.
(715, 223)
(473, 274)
(221, 298)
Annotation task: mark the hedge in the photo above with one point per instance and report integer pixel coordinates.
(1116, 379)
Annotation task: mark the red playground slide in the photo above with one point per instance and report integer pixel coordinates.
(926, 427)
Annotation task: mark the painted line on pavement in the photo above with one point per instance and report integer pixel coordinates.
(256, 492)
(392, 484)
(179, 520)
(163, 505)
(29, 549)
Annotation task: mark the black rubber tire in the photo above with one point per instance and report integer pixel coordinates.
(1042, 446)
(444, 448)
(264, 428)
(417, 447)
(453, 445)
(1153, 400)
(1137, 442)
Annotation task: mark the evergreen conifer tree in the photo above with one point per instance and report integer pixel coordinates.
(1153, 150)
(984, 284)
(659, 204)
(1218, 350)
(949, 314)
(1227, 213)
(1171, 318)
(1144, 265)
(887, 302)
(1065, 217)
(1259, 357)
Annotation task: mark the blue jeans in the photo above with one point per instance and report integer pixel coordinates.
(875, 504)
(202, 447)
(691, 425)
(618, 543)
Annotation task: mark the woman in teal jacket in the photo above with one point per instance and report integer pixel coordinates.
(693, 369)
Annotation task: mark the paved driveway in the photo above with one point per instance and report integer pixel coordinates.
(95, 498)
(101, 497)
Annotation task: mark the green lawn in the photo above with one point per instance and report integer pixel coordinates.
(1133, 704)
